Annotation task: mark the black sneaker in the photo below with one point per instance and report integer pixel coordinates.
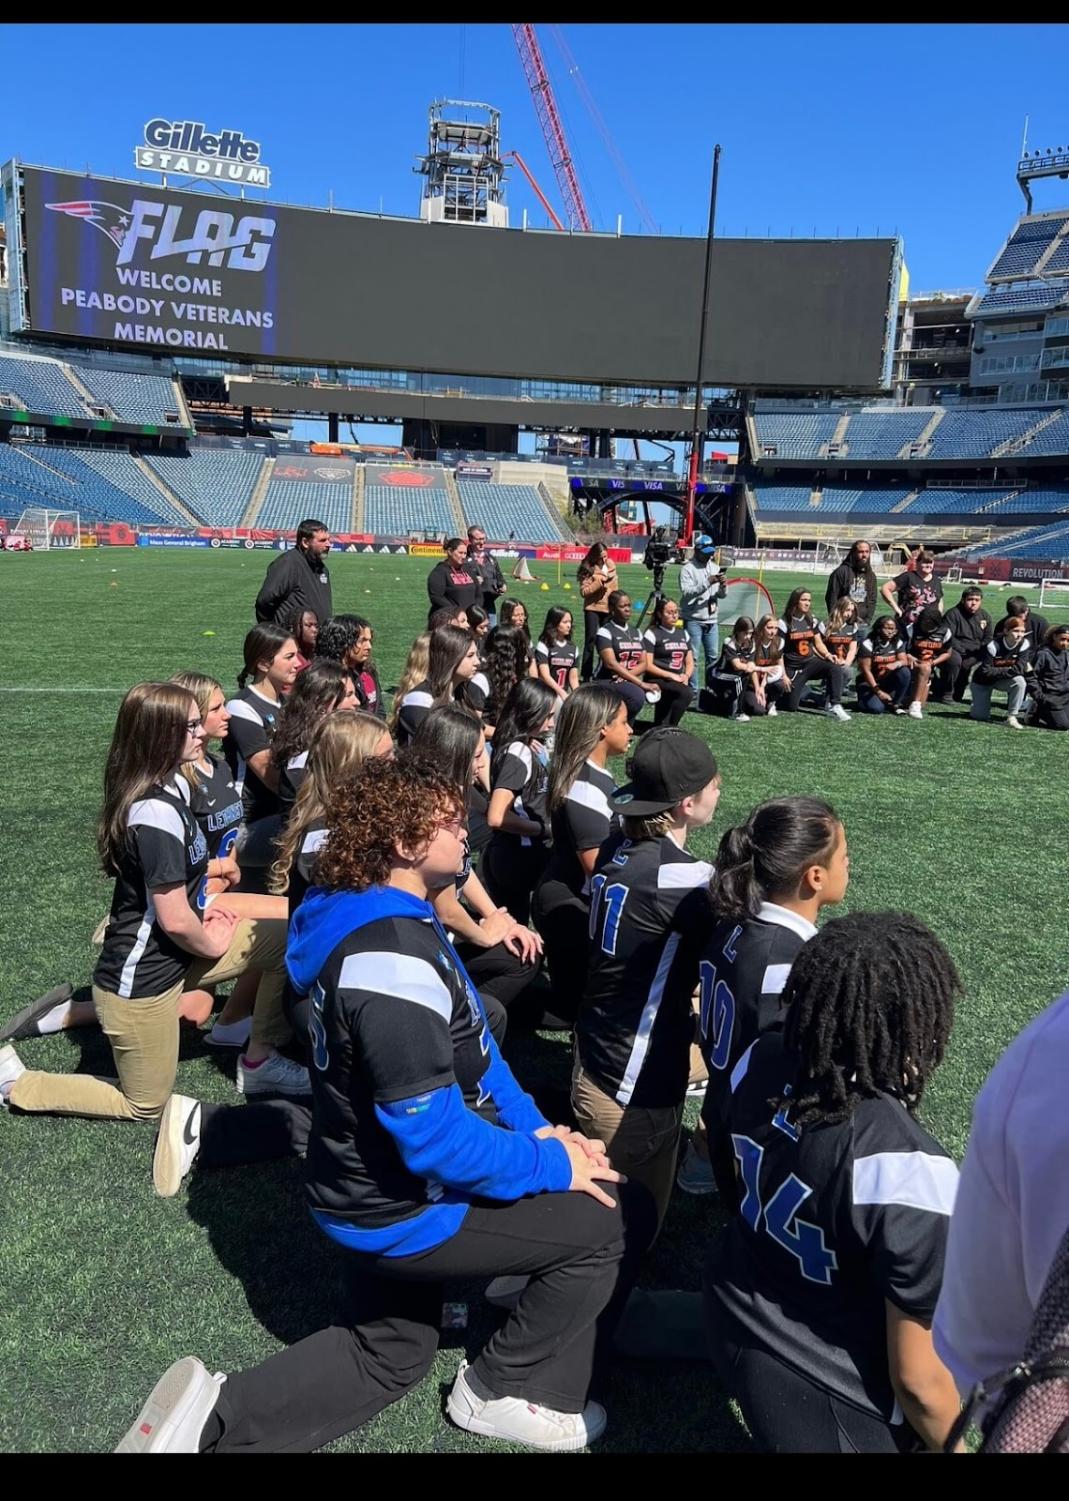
(24, 1023)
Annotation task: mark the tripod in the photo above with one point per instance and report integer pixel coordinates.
(658, 594)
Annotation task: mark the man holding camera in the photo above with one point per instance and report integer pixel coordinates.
(702, 583)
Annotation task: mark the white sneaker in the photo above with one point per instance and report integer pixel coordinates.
(1014, 723)
(236, 1035)
(772, 711)
(173, 1418)
(915, 711)
(520, 1422)
(836, 711)
(177, 1144)
(742, 719)
(275, 1075)
(11, 1066)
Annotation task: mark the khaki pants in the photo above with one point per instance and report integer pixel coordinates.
(144, 1035)
(641, 1143)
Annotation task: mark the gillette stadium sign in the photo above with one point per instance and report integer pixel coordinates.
(186, 148)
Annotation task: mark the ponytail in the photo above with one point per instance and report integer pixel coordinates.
(262, 644)
(766, 856)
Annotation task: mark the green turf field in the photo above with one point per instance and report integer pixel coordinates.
(103, 1284)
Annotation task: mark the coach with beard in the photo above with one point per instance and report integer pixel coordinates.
(298, 580)
(855, 579)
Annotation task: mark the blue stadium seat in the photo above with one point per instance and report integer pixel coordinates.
(288, 501)
(1011, 299)
(96, 496)
(1059, 261)
(958, 502)
(880, 435)
(1053, 439)
(772, 498)
(1034, 500)
(975, 433)
(42, 386)
(395, 510)
(124, 472)
(795, 435)
(215, 483)
(133, 397)
(508, 511)
(871, 501)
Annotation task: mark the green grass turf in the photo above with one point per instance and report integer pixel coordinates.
(103, 1284)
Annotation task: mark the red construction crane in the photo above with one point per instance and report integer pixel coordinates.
(549, 118)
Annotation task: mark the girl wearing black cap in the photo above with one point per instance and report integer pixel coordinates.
(649, 907)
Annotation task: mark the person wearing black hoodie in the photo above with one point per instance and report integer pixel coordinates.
(1051, 685)
(426, 1163)
(971, 632)
(855, 579)
(298, 580)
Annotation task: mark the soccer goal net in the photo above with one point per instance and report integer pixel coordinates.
(48, 530)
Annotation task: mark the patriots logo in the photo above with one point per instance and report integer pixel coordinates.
(109, 218)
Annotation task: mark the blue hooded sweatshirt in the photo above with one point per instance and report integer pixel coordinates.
(438, 1137)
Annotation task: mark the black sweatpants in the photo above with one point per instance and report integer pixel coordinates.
(787, 1413)
(497, 974)
(593, 620)
(510, 871)
(815, 671)
(563, 919)
(581, 1259)
(955, 672)
(775, 693)
(674, 701)
(633, 696)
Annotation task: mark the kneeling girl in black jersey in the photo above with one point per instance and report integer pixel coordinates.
(884, 677)
(773, 874)
(556, 654)
(426, 1163)
(819, 1295)
(519, 779)
(452, 663)
(669, 663)
(162, 938)
(623, 654)
(323, 687)
(502, 956)
(591, 726)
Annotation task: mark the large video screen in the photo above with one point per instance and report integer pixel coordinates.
(160, 270)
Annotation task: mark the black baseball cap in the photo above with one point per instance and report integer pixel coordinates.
(668, 765)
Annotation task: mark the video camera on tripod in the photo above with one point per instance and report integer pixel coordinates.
(661, 549)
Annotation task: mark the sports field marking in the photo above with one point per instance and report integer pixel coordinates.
(6, 689)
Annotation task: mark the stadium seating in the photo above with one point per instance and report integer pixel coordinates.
(124, 472)
(508, 511)
(1035, 542)
(1053, 439)
(868, 502)
(965, 433)
(958, 502)
(880, 435)
(96, 496)
(1059, 261)
(784, 497)
(216, 484)
(133, 398)
(395, 510)
(41, 385)
(287, 501)
(1026, 247)
(795, 435)
(1031, 501)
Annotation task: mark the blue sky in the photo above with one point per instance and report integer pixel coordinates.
(832, 129)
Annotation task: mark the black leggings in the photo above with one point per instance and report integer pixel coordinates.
(818, 671)
(510, 871)
(593, 620)
(674, 702)
(633, 696)
(580, 1257)
(563, 919)
(775, 693)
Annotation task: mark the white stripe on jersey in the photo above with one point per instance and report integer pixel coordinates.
(603, 634)
(239, 775)
(915, 1180)
(154, 813)
(683, 877)
(738, 1073)
(542, 650)
(417, 699)
(521, 752)
(482, 682)
(237, 708)
(408, 979)
(641, 1045)
(297, 763)
(775, 979)
(589, 796)
(126, 979)
(314, 841)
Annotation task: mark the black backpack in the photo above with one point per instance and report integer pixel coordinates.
(1028, 1411)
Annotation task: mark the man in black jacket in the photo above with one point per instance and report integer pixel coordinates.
(970, 631)
(298, 580)
(855, 579)
(493, 582)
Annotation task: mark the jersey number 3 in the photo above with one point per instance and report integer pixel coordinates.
(614, 898)
(799, 1238)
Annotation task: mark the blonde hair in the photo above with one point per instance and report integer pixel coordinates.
(200, 688)
(653, 827)
(838, 615)
(416, 670)
(341, 742)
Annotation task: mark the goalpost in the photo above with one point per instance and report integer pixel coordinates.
(50, 531)
(1049, 591)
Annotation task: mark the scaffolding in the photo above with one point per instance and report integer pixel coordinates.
(465, 176)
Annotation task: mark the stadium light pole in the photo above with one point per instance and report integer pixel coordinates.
(696, 439)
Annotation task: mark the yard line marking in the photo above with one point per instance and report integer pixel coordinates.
(5, 689)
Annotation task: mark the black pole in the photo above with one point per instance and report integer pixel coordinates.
(696, 438)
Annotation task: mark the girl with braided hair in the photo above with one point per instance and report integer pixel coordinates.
(819, 1294)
